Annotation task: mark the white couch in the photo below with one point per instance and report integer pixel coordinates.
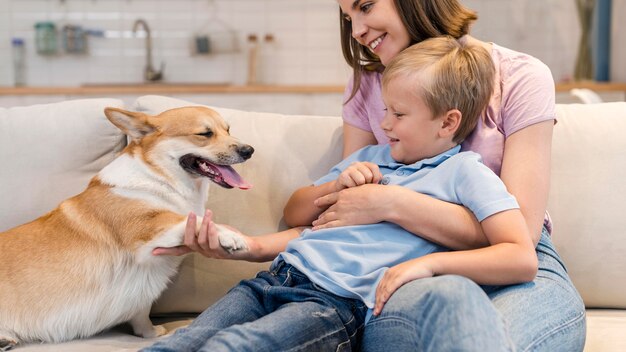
(49, 152)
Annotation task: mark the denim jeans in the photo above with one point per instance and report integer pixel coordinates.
(452, 313)
(279, 310)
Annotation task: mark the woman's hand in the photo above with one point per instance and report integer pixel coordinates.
(399, 275)
(205, 240)
(365, 204)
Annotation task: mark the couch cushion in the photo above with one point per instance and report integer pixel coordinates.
(605, 330)
(290, 152)
(587, 197)
(49, 152)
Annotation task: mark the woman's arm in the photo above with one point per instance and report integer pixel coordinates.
(526, 172)
(355, 138)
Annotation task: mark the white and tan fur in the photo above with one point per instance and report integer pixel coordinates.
(88, 265)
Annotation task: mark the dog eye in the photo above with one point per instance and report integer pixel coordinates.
(207, 134)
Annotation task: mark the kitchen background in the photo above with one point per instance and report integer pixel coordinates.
(296, 43)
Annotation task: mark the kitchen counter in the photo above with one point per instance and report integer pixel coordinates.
(198, 88)
(168, 88)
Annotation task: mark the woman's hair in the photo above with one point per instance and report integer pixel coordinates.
(447, 75)
(423, 19)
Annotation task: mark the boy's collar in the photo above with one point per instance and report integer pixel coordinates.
(433, 161)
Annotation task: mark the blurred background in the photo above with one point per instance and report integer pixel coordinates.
(215, 46)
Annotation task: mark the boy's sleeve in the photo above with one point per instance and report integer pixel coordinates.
(479, 189)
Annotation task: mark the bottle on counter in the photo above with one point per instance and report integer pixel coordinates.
(19, 62)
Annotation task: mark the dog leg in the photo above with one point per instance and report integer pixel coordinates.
(231, 240)
(142, 326)
(6, 342)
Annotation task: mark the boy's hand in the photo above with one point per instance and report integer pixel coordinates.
(357, 174)
(399, 275)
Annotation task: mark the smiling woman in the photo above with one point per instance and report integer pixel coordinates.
(513, 137)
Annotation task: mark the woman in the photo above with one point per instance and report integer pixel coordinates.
(513, 137)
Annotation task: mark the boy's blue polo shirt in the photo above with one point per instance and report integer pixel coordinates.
(350, 261)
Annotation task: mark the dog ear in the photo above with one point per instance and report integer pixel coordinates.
(136, 125)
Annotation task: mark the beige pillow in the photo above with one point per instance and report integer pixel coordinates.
(49, 152)
(588, 197)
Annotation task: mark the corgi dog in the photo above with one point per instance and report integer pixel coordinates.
(88, 265)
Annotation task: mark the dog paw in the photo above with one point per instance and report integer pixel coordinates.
(232, 241)
(7, 343)
(159, 330)
(154, 331)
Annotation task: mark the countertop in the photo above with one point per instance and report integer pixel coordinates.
(193, 88)
(169, 88)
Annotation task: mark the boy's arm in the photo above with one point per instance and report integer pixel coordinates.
(300, 209)
(510, 259)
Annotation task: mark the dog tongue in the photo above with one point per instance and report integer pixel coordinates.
(232, 177)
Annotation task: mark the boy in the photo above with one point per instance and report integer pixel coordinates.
(324, 285)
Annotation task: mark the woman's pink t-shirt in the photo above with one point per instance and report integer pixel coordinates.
(523, 95)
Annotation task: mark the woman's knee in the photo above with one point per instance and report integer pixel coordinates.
(448, 290)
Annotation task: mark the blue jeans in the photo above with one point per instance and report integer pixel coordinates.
(452, 313)
(279, 310)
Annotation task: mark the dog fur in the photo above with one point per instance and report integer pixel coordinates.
(88, 265)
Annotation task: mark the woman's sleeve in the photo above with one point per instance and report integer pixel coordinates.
(528, 95)
(354, 112)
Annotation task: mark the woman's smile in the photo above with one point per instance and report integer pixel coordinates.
(376, 42)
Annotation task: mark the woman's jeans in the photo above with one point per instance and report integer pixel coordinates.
(452, 313)
(279, 310)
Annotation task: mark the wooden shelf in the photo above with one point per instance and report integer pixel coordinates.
(190, 88)
(167, 88)
(595, 86)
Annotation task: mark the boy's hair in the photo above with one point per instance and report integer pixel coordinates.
(448, 75)
(423, 19)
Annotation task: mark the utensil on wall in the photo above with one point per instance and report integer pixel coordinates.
(74, 39)
(215, 36)
(203, 44)
(45, 38)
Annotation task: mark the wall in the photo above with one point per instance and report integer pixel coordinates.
(305, 49)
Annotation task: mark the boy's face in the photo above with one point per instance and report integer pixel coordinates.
(409, 123)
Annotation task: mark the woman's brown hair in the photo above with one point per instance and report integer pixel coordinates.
(423, 19)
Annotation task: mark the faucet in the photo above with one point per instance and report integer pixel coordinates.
(150, 74)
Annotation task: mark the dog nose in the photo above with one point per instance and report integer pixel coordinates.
(245, 151)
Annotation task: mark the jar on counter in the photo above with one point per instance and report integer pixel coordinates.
(45, 38)
(19, 62)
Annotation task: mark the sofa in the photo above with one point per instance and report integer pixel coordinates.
(49, 152)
